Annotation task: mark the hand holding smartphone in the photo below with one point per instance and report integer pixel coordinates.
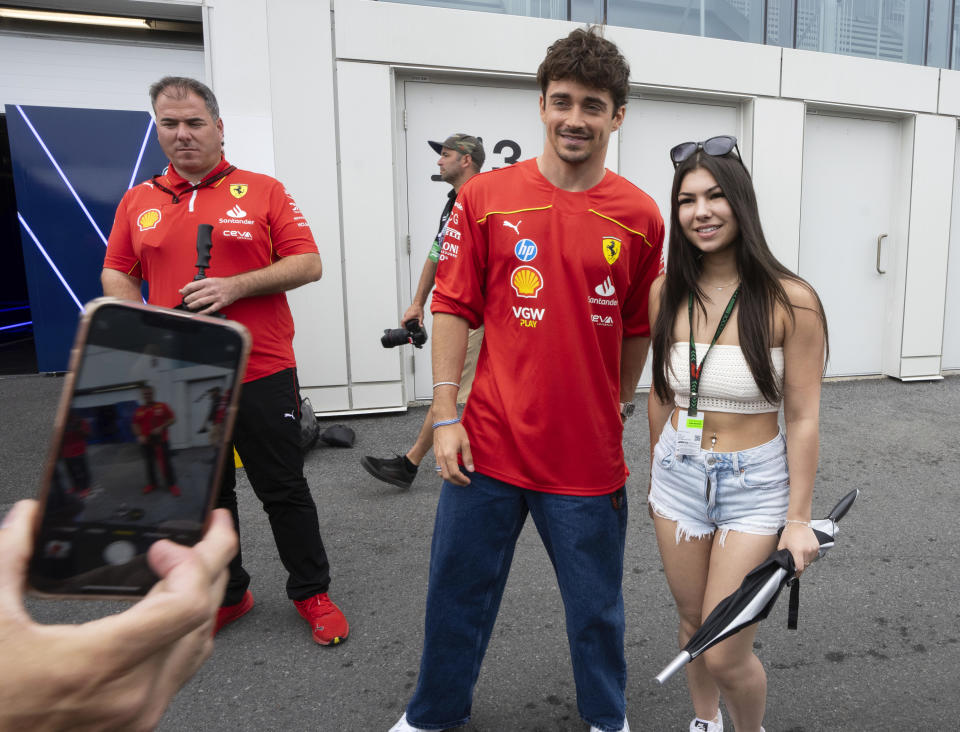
(140, 437)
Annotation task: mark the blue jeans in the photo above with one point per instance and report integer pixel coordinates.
(474, 536)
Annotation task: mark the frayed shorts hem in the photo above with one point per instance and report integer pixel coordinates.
(689, 530)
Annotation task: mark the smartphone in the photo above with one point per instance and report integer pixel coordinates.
(140, 438)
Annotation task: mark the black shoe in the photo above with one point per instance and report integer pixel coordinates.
(395, 471)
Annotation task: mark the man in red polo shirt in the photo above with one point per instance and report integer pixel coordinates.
(262, 247)
(150, 423)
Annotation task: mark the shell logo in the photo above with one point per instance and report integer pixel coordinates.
(526, 281)
(148, 219)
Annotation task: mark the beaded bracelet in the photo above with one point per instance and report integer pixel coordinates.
(446, 383)
(445, 422)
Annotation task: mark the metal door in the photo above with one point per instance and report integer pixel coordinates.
(847, 237)
(508, 121)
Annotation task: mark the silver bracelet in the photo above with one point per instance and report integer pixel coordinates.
(446, 383)
(445, 422)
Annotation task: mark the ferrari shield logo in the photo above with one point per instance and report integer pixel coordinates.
(611, 249)
(238, 190)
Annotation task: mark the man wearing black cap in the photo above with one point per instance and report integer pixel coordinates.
(461, 157)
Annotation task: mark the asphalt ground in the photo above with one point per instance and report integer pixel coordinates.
(878, 647)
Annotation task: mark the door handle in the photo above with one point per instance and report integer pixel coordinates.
(879, 242)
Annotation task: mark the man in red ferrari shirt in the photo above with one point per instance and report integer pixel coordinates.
(555, 257)
(150, 422)
(262, 247)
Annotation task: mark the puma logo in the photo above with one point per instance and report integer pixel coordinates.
(290, 415)
(515, 227)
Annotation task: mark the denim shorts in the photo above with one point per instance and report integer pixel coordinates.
(745, 491)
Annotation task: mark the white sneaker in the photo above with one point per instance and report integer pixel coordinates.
(703, 725)
(625, 728)
(404, 726)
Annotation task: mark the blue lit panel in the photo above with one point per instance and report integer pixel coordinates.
(70, 169)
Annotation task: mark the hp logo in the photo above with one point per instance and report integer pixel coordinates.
(525, 250)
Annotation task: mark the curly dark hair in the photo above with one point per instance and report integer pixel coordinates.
(588, 58)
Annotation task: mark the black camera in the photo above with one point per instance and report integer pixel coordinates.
(411, 332)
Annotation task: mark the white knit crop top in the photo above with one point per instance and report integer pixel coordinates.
(726, 384)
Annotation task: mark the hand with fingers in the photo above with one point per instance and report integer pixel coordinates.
(211, 294)
(414, 311)
(799, 538)
(119, 672)
(449, 441)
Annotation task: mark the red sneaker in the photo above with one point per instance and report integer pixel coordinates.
(174, 491)
(228, 613)
(148, 488)
(329, 625)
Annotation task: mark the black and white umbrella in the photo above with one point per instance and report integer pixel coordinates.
(753, 600)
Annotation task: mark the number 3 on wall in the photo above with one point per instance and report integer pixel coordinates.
(514, 155)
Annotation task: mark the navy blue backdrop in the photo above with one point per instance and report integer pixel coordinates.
(71, 167)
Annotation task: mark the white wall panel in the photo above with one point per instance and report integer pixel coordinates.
(949, 92)
(777, 167)
(894, 252)
(327, 398)
(91, 74)
(465, 39)
(691, 62)
(376, 396)
(920, 368)
(305, 147)
(240, 77)
(460, 39)
(951, 325)
(828, 77)
(930, 201)
(369, 198)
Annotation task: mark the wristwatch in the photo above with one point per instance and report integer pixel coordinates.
(626, 410)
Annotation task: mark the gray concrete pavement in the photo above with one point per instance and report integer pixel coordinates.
(878, 646)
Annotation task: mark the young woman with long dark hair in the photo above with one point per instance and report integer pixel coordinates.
(735, 336)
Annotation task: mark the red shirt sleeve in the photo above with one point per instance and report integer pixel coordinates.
(645, 266)
(461, 271)
(120, 255)
(289, 232)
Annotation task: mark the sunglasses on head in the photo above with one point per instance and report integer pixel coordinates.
(714, 146)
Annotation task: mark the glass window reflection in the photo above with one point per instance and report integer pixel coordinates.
(586, 11)
(780, 22)
(938, 34)
(893, 30)
(735, 20)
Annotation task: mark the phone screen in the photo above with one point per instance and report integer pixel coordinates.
(138, 453)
